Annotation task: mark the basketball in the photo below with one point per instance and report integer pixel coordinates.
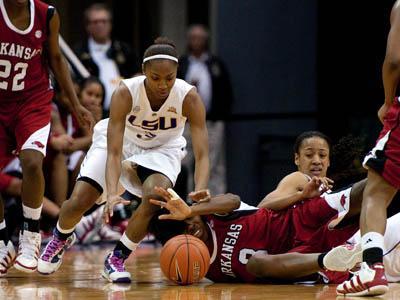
(184, 259)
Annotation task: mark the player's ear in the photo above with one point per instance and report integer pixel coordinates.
(296, 159)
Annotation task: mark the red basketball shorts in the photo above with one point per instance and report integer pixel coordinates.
(24, 124)
(384, 158)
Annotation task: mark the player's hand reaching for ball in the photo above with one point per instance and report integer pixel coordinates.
(178, 209)
(112, 200)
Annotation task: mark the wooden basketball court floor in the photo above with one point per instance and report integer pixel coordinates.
(79, 278)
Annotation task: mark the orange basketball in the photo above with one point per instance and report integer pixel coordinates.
(184, 259)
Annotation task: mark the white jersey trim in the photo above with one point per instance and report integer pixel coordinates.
(11, 25)
(215, 246)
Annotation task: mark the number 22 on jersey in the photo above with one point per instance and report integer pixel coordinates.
(6, 69)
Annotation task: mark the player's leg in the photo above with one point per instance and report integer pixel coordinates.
(283, 266)
(32, 197)
(137, 229)
(293, 266)
(371, 279)
(86, 192)
(82, 199)
(391, 255)
(345, 257)
(32, 128)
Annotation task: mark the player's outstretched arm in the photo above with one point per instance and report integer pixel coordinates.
(288, 192)
(194, 111)
(61, 72)
(121, 104)
(179, 210)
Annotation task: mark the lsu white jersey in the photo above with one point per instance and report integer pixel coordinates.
(147, 128)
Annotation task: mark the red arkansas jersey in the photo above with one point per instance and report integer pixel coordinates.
(303, 227)
(23, 65)
(238, 236)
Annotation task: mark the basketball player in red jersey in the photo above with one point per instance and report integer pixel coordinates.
(383, 164)
(28, 46)
(238, 237)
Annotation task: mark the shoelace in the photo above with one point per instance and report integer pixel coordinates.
(54, 246)
(117, 262)
(30, 245)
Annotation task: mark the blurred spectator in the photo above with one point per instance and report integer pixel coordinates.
(91, 95)
(104, 57)
(69, 142)
(208, 73)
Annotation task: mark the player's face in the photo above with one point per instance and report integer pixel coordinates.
(99, 25)
(160, 77)
(196, 227)
(313, 157)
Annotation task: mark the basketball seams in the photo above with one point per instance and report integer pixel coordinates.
(192, 254)
(205, 264)
(172, 260)
(188, 259)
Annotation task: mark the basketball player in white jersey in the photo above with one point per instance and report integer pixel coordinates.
(141, 145)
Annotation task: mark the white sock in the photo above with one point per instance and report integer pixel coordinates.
(64, 231)
(32, 213)
(128, 243)
(3, 224)
(372, 240)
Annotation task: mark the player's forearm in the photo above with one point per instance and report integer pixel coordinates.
(201, 173)
(391, 77)
(61, 72)
(217, 205)
(113, 172)
(279, 202)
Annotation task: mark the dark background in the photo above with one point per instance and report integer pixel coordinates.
(296, 65)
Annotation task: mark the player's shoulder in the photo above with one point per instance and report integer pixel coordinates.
(42, 7)
(123, 91)
(297, 178)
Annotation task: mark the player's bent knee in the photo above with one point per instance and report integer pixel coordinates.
(31, 165)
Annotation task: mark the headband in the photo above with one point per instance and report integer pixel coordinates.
(160, 56)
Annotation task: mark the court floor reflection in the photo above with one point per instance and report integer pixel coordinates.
(79, 278)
